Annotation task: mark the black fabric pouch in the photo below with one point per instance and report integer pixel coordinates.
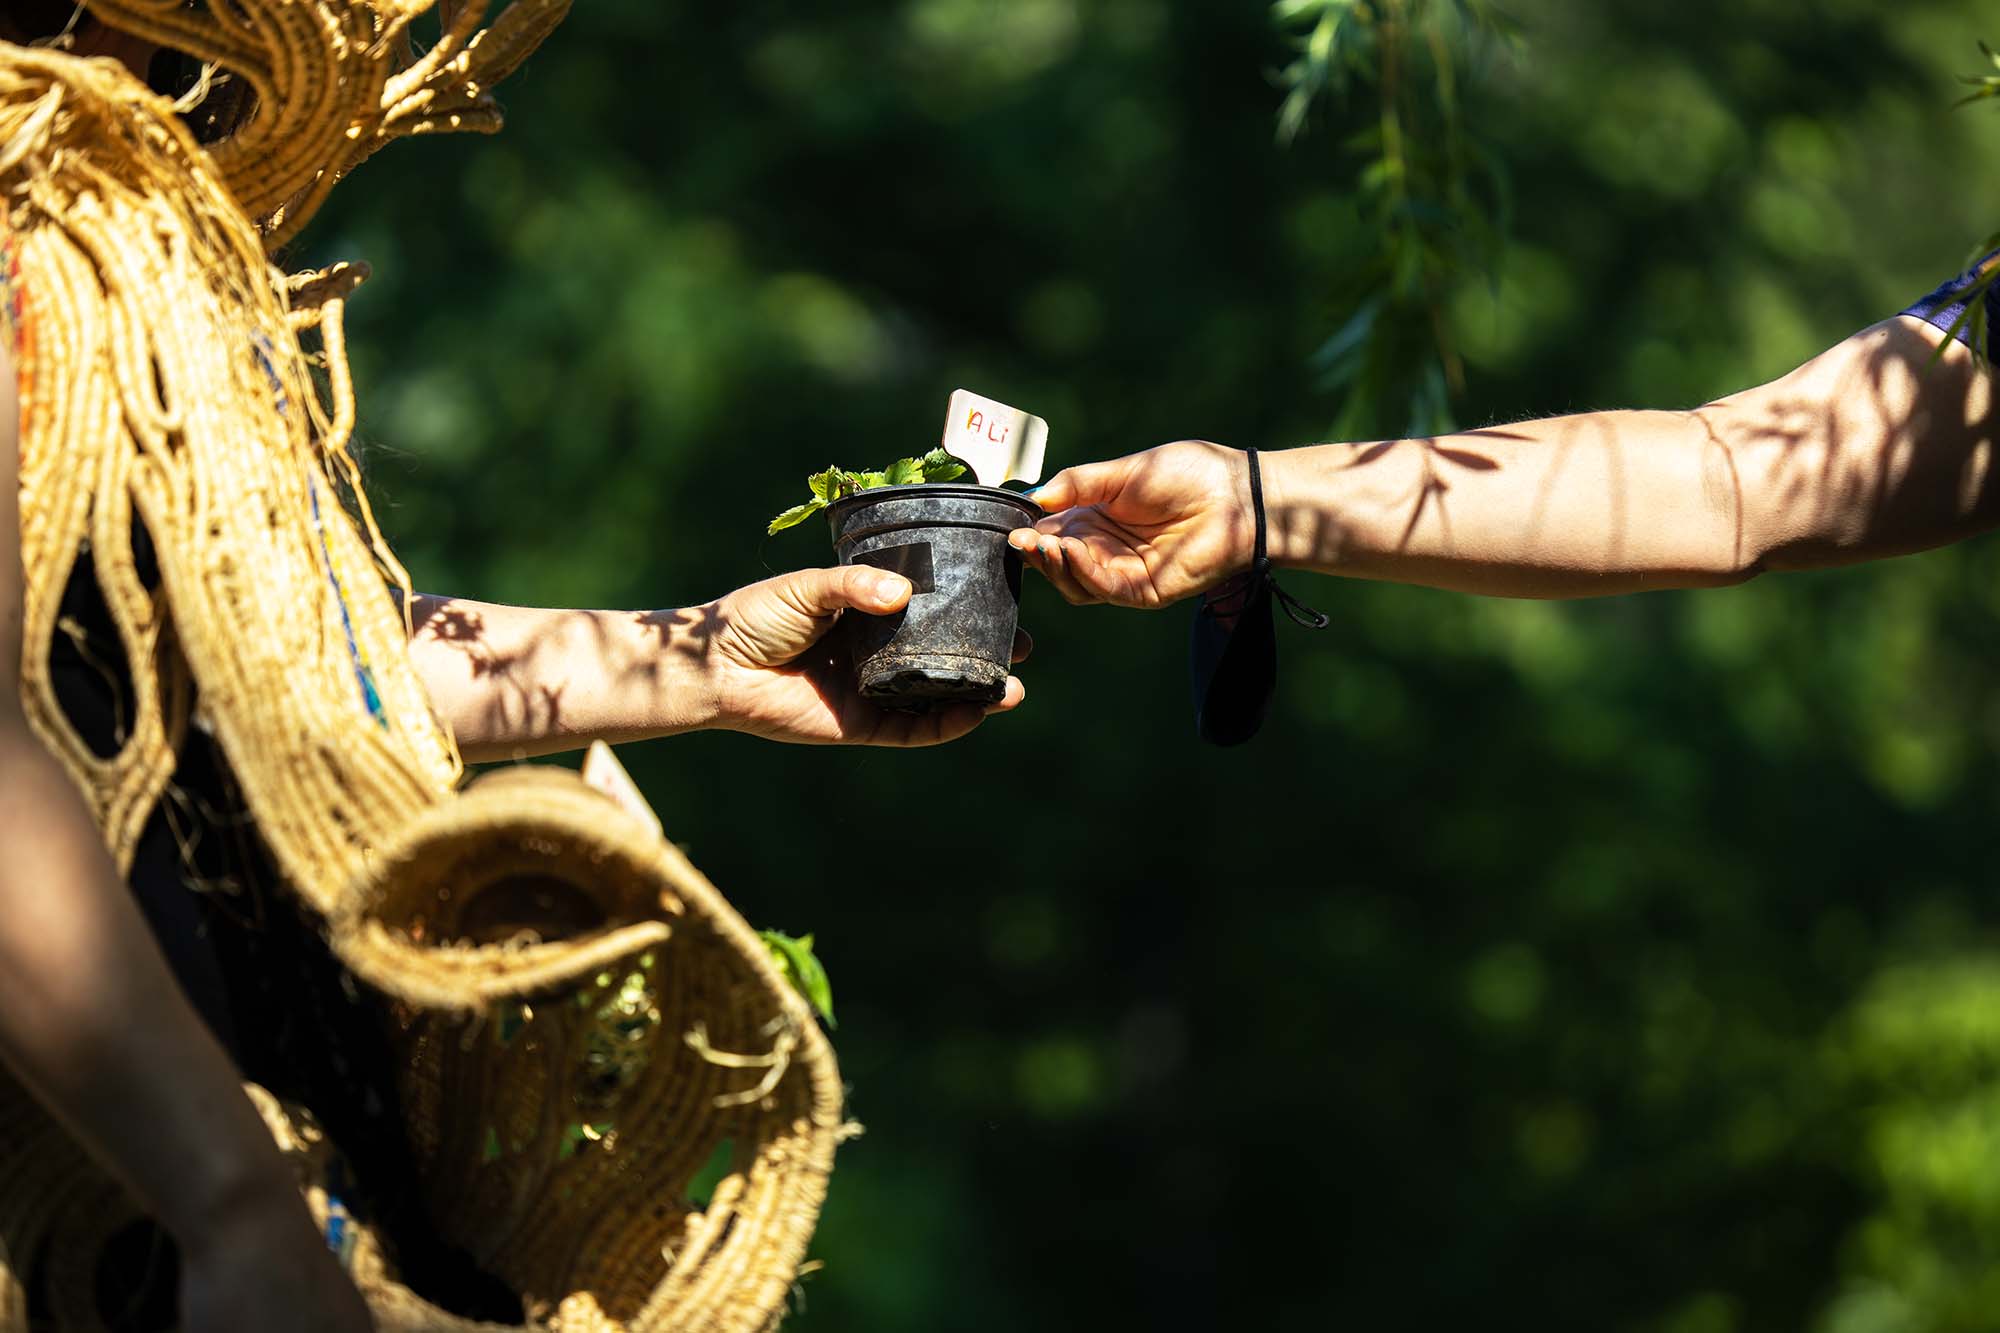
(1234, 651)
(1234, 655)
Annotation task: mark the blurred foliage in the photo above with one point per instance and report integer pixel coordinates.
(1984, 85)
(1617, 966)
(1432, 190)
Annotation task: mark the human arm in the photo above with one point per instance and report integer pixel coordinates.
(95, 1026)
(1878, 447)
(515, 681)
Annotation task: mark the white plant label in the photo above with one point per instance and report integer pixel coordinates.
(999, 443)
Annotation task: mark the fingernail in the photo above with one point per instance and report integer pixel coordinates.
(888, 586)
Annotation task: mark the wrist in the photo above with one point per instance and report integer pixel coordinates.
(1301, 521)
(1224, 513)
(691, 691)
(1281, 514)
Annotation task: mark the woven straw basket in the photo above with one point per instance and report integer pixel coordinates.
(584, 1026)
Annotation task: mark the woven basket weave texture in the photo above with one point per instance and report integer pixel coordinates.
(583, 1023)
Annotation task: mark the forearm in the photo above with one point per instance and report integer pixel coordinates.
(514, 681)
(1866, 451)
(94, 1024)
(1603, 503)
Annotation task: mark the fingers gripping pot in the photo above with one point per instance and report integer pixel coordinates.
(954, 642)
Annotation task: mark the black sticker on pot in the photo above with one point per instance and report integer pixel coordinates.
(913, 562)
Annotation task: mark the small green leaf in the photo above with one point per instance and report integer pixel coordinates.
(837, 483)
(904, 472)
(794, 516)
(797, 962)
(941, 466)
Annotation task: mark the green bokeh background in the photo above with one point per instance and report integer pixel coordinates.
(1627, 965)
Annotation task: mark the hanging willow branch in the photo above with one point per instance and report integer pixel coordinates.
(1434, 195)
(1974, 323)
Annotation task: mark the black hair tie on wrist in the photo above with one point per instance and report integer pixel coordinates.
(1234, 652)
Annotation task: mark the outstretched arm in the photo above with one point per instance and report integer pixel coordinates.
(95, 1026)
(1871, 449)
(516, 681)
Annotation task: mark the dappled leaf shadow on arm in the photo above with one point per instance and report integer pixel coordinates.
(1876, 448)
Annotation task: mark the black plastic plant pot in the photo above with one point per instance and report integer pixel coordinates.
(955, 640)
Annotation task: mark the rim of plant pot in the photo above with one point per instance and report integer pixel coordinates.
(929, 490)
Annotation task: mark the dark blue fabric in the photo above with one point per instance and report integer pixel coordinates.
(1944, 307)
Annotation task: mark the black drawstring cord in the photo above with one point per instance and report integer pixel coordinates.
(1260, 564)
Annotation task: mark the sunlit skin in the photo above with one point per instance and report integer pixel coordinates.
(94, 1022)
(1878, 447)
(514, 681)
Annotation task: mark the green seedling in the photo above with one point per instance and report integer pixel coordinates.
(837, 483)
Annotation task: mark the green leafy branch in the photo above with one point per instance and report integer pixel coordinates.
(1333, 44)
(838, 483)
(1983, 85)
(1434, 196)
(1973, 322)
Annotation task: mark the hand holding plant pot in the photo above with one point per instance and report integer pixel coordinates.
(951, 643)
(1146, 530)
(776, 671)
